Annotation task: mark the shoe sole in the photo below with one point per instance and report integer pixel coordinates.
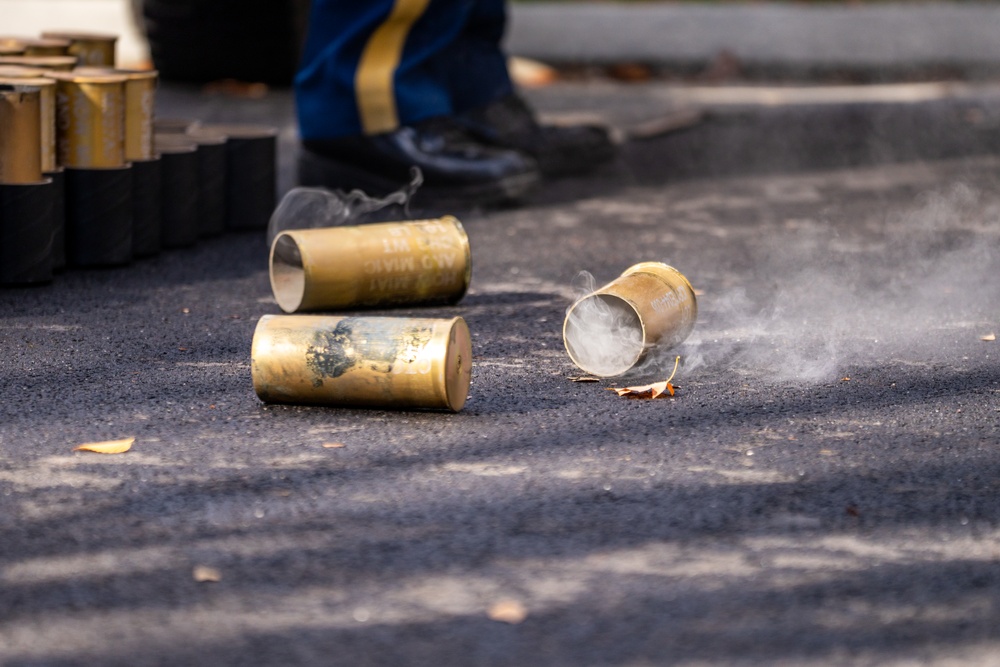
(316, 171)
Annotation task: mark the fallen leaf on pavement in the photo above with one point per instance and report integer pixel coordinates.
(107, 447)
(203, 573)
(989, 337)
(583, 378)
(655, 390)
(508, 611)
(333, 445)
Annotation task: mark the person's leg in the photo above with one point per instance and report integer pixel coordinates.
(373, 101)
(478, 48)
(492, 111)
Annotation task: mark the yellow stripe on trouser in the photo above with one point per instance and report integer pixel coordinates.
(379, 60)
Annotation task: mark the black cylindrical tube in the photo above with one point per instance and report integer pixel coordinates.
(99, 216)
(211, 181)
(58, 190)
(147, 207)
(179, 178)
(26, 232)
(251, 174)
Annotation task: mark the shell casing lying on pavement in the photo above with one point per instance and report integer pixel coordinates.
(51, 63)
(20, 134)
(94, 49)
(90, 120)
(383, 362)
(383, 264)
(651, 305)
(140, 101)
(47, 107)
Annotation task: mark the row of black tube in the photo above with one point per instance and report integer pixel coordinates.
(88, 218)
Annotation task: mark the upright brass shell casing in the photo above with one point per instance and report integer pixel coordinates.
(651, 305)
(20, 135)
(383, 264)
(51, 63)
(92, 49)
(10, 46)
(90, 120)
(47, 103)
(380, 362)
(140, 101)
(45, 47)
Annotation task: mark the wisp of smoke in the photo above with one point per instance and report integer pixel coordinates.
(315, 208)
(603, 334)
(820, 302)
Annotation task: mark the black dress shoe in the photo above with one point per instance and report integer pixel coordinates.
(559, 149)
(455, 166)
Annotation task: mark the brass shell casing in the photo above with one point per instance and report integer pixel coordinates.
(47, 105)
(93, 49)
(10, 46)
(384, 264)
(140, 101)
(20, 135)
(651, 300)
(379, 362)
(51, 63)
(45, 47)
(90, 120)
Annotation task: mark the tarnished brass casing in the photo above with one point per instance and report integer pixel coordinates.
(140, 101)
(380, 362)
(383, 264)
(90, 120)
(94, 49)
(51, 63)
(20, 135)
(47, 103)
(651, 305)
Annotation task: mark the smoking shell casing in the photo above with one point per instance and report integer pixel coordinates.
(90, 120)
(50, 63)
(47, 105)
(385, 264)
(95, 49)
(651, 305)
(20, 134)
(379, 362)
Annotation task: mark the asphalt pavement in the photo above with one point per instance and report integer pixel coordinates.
(821, 490)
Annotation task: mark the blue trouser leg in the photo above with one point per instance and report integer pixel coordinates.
(450, 60)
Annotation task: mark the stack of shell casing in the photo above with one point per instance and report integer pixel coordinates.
(118, 188)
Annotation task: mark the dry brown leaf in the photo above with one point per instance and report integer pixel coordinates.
(203, 573)
(655, 390)
(333, 445)
(508, 611)
(990, 337)
(583, 378)
(107, 447)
